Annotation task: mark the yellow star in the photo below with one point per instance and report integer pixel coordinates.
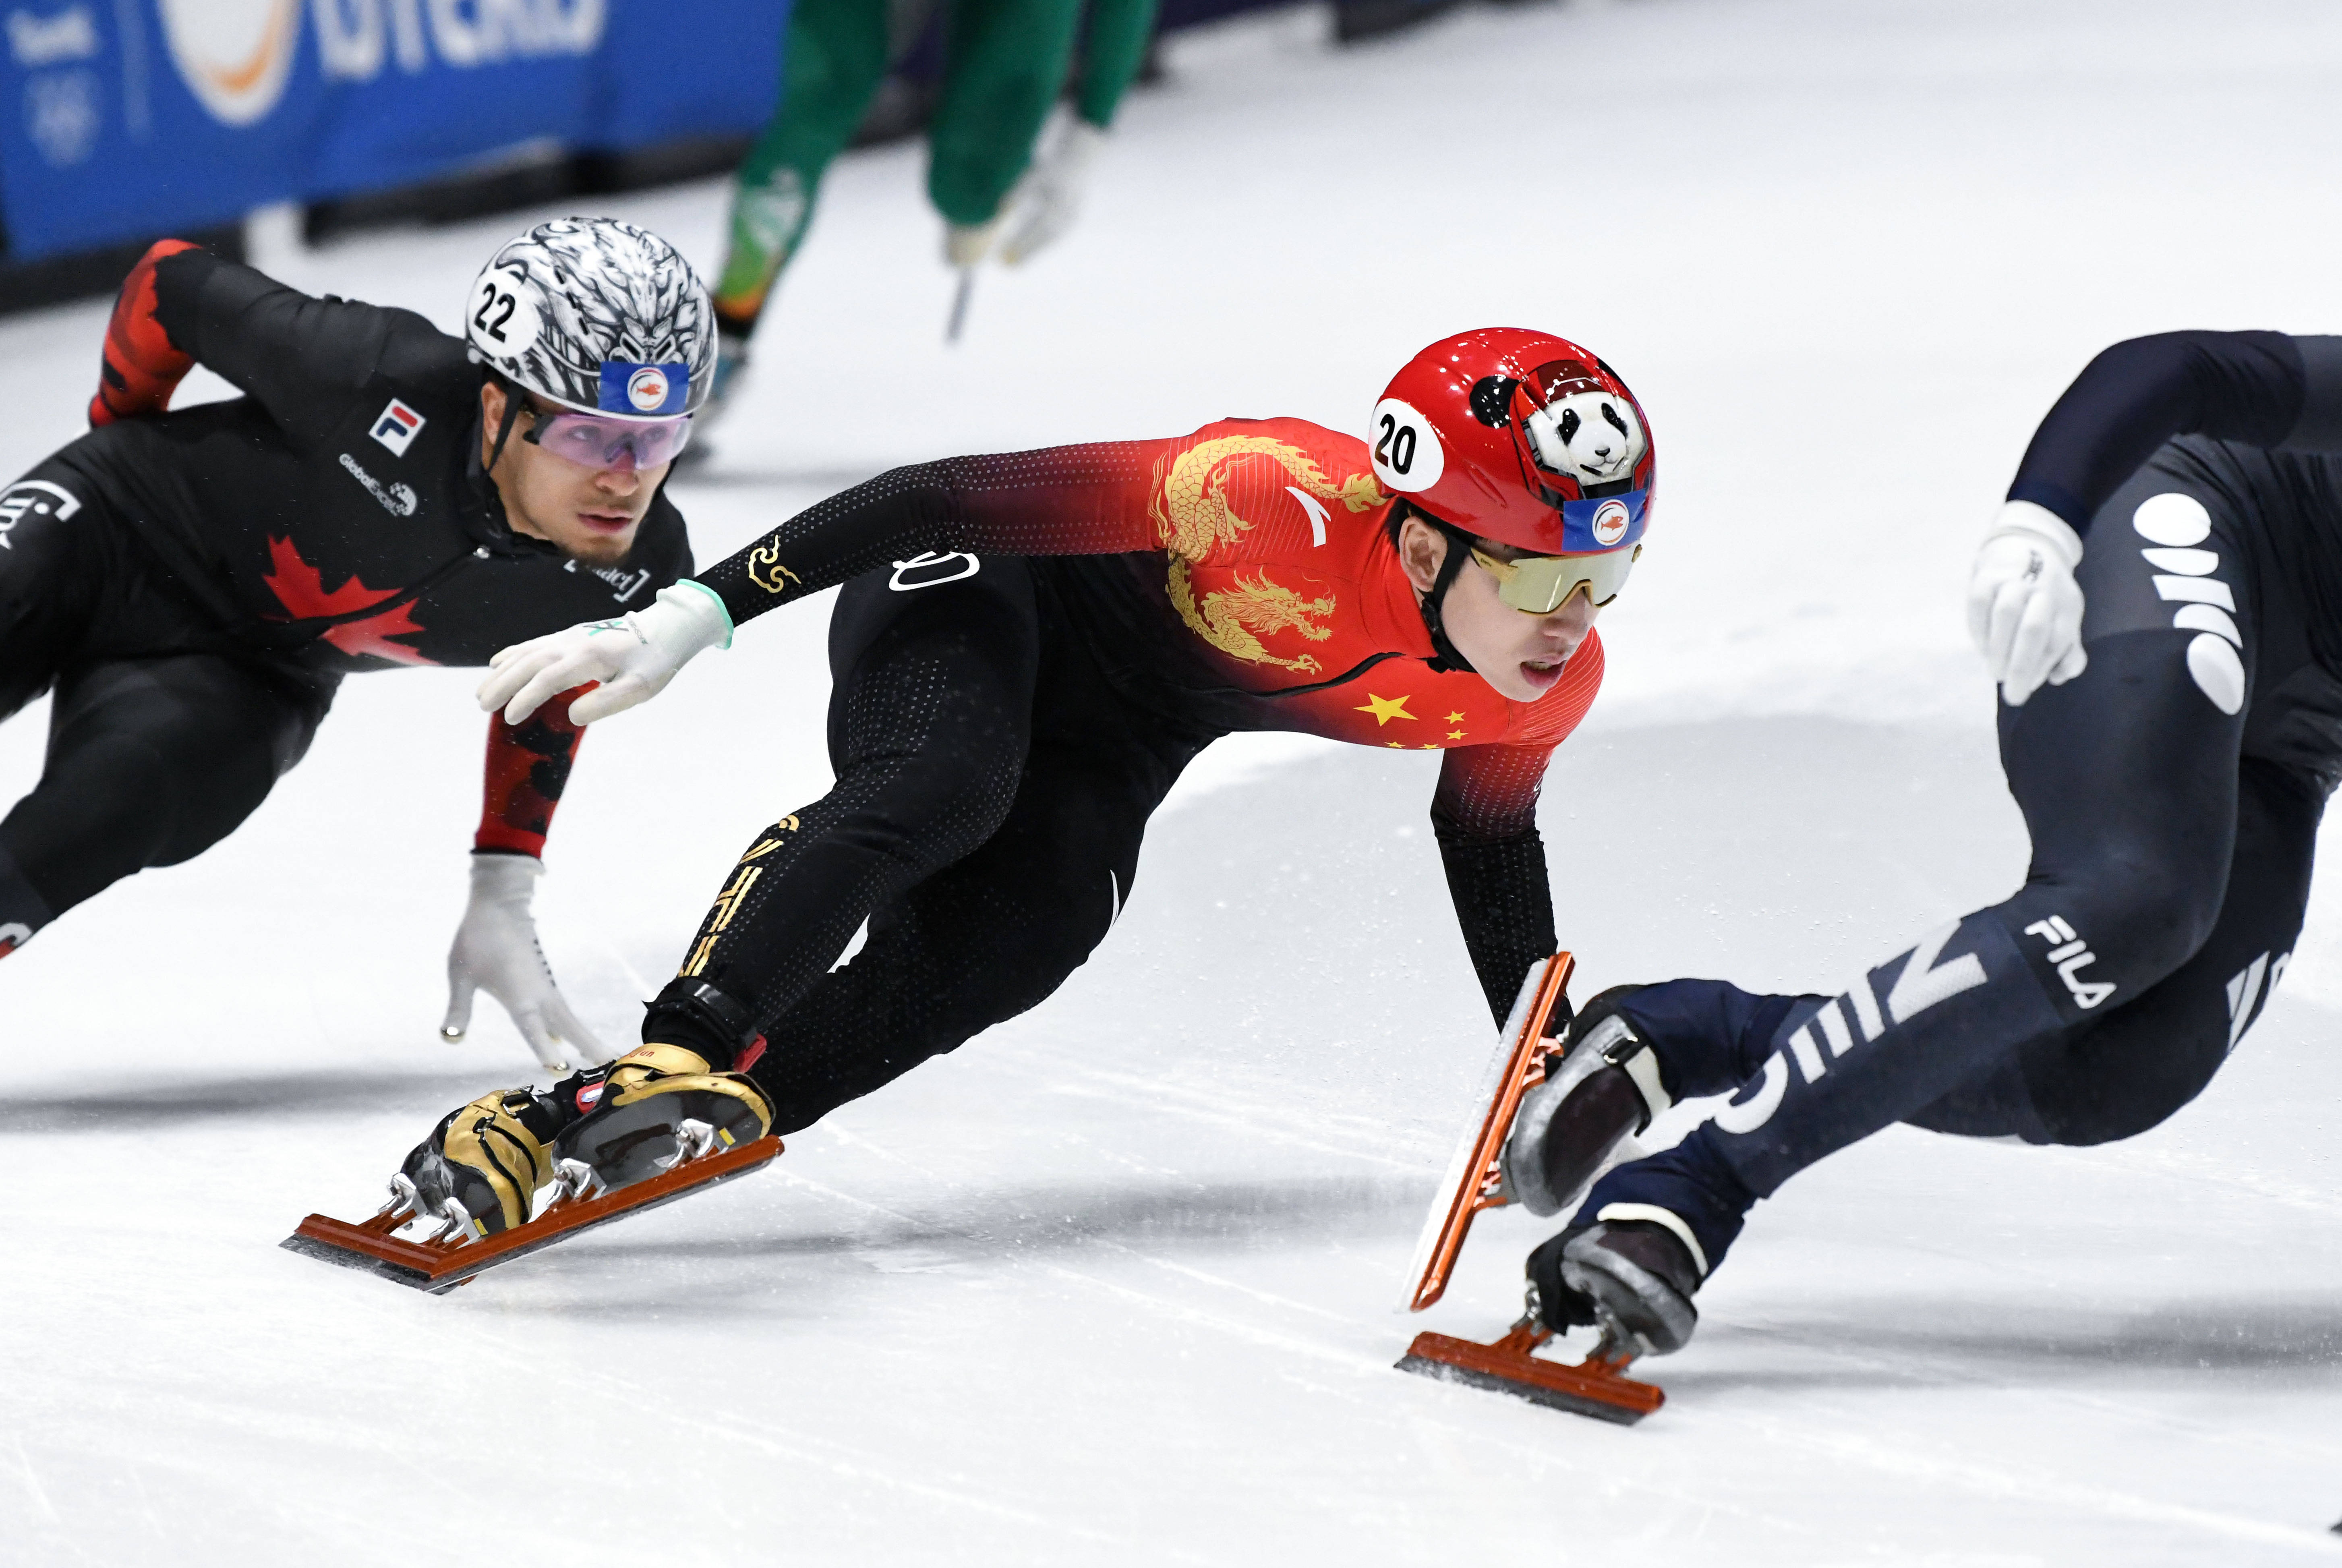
(1456, 734)
(1395, 745)
(1385, 709)
(1456, 718)
(1428, 746)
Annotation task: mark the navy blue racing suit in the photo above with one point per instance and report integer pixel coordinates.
(2172, 792)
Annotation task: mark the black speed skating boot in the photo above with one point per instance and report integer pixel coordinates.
(1604, 1090)
(657, 1104)
(1634, 1277)
(479, 1171)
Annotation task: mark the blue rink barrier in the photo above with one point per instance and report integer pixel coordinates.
(125, 118)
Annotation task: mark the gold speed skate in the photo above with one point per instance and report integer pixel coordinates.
(658, 1106)
(479, 1171)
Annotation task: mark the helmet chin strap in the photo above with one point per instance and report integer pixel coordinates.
(505, 427)
(1445, 656)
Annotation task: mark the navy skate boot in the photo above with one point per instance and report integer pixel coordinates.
(1634, 1277)
(1646, 1238)
(1604, 1090)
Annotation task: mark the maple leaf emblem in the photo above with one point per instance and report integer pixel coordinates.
(301, 589)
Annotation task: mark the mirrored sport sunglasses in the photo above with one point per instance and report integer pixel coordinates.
(596, 441)
(1540, 584)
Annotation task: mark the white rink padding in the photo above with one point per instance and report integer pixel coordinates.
(1112, 1284)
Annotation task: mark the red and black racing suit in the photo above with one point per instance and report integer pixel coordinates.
(1029, 649)
(193, 585)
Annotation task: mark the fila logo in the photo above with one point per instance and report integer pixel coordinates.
(396, 427)
(2069, 952)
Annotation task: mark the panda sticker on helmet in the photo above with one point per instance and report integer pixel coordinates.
(1578, 427)
(1408, 456)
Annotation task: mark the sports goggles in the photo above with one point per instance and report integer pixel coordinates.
(1540, 584)
(596, 441)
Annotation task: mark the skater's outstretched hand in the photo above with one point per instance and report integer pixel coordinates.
(2024, 609)
(633, 657)
(496, 952)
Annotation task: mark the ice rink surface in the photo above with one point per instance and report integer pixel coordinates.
(1115, 1282)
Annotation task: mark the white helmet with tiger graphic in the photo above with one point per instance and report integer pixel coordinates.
(597, 314)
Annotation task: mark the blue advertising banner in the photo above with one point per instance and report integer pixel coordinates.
(124, 118)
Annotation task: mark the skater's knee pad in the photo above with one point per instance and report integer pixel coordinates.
(930, 813)
(2139, 918)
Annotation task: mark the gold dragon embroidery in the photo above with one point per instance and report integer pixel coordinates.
(1192, 512)
(1191, 508)
(1235, 620)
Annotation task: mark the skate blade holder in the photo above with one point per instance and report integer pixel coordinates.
(1475, 1178)
(1595, 1387)
(440, 1263)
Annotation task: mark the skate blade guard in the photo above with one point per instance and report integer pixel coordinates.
(1595, 1387)
(1472, 1175)
(439, 1265)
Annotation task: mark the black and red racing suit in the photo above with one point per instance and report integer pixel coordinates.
(193, 585)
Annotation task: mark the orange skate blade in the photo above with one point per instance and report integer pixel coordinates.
(1594, 1388)
(439, 1266)
(1472, 1179)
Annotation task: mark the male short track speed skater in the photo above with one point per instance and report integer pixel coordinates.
(2171, 727)
(193, 585)
(1028, 650)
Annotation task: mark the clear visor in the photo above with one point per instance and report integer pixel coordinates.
(1540, 584)
(596, 441)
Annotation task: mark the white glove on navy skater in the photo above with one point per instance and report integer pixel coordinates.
(2024, 609)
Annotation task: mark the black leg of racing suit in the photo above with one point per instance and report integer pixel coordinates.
(2173, 793)
(156, 752)
(992, 790)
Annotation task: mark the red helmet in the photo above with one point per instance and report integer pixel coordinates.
(1517, 437)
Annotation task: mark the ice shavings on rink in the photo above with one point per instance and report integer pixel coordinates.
(1111, 1283)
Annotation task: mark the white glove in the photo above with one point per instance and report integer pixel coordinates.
(634, 657)
(1047, 200)
(2024, 609)
(495, 951)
